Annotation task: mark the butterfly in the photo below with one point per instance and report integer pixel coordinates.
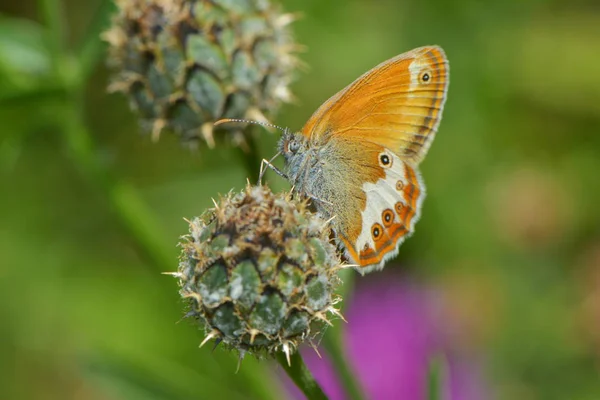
(357, 156)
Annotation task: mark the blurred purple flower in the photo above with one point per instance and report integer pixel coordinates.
(391, 337)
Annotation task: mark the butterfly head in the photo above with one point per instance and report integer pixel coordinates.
(294, 147)
(292, 143)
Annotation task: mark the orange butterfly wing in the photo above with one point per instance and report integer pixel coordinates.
(398, 105)
(393, 109)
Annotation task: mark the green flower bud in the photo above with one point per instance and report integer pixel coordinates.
(187, 63)
(259, 271)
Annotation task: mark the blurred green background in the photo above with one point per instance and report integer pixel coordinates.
(510, 233)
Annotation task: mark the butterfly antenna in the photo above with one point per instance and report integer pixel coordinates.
(247, 121)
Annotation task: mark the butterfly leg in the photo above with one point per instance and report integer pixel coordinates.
(268, 164)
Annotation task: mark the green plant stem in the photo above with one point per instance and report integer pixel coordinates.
(437, 378)
(347, 276)
(333, 343)
(301, 376)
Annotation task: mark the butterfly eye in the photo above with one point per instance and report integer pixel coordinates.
(385, 160)
(388, 217)
(425, 76)
(399, 186)
(376, 231)
(293, 146)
